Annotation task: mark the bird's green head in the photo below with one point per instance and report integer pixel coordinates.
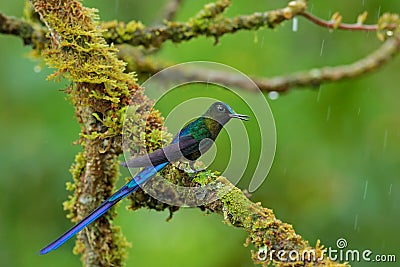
(222, 113)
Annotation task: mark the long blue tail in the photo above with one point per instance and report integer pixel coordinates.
(128, 188)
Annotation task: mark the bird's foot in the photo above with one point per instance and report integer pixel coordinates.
(195, 169)
(190, 168)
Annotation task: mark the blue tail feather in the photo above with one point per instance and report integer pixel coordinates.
(103, 208)
(124, 191)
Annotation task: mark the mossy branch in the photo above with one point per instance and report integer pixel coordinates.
(208, 22)
(144, 66)
(265, 231)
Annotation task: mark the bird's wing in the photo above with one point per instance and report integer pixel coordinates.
(185, 145)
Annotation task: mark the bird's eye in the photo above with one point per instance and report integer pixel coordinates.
(220, 108)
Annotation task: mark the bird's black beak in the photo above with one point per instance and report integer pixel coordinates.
(240, 117)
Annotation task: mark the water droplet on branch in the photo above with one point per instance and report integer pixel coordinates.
(273, 95)
(295, 24)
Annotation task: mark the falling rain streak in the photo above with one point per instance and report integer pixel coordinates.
(379, 12)
(356, 222)
(319, 93)
(116, 6)
(385, 139)
(328, 113)
(390, 189)
(365, 190)
(322, 47)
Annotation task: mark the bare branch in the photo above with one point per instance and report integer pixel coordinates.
(332, 24)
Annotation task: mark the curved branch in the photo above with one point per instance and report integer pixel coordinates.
(315, 77)
(311, 78)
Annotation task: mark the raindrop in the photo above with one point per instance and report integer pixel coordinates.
(379, 12)
(390, 189)
(295, 24)
(356, 222)
(358, 111)
(322, 47)
(385, 139)
(363, 2)
(328, 113)
(273, 95)
(365, 190)
(37, 69)
(319, 94)
(116, 6)
(284, 171)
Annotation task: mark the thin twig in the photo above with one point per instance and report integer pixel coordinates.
(333, 25)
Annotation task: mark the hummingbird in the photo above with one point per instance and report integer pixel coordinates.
(189, 143)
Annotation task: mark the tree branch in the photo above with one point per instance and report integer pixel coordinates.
(145, 66)
(265, 231)
(30, 34)
(336, 24)
(205, 23)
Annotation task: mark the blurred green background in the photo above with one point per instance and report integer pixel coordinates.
(335, 173)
